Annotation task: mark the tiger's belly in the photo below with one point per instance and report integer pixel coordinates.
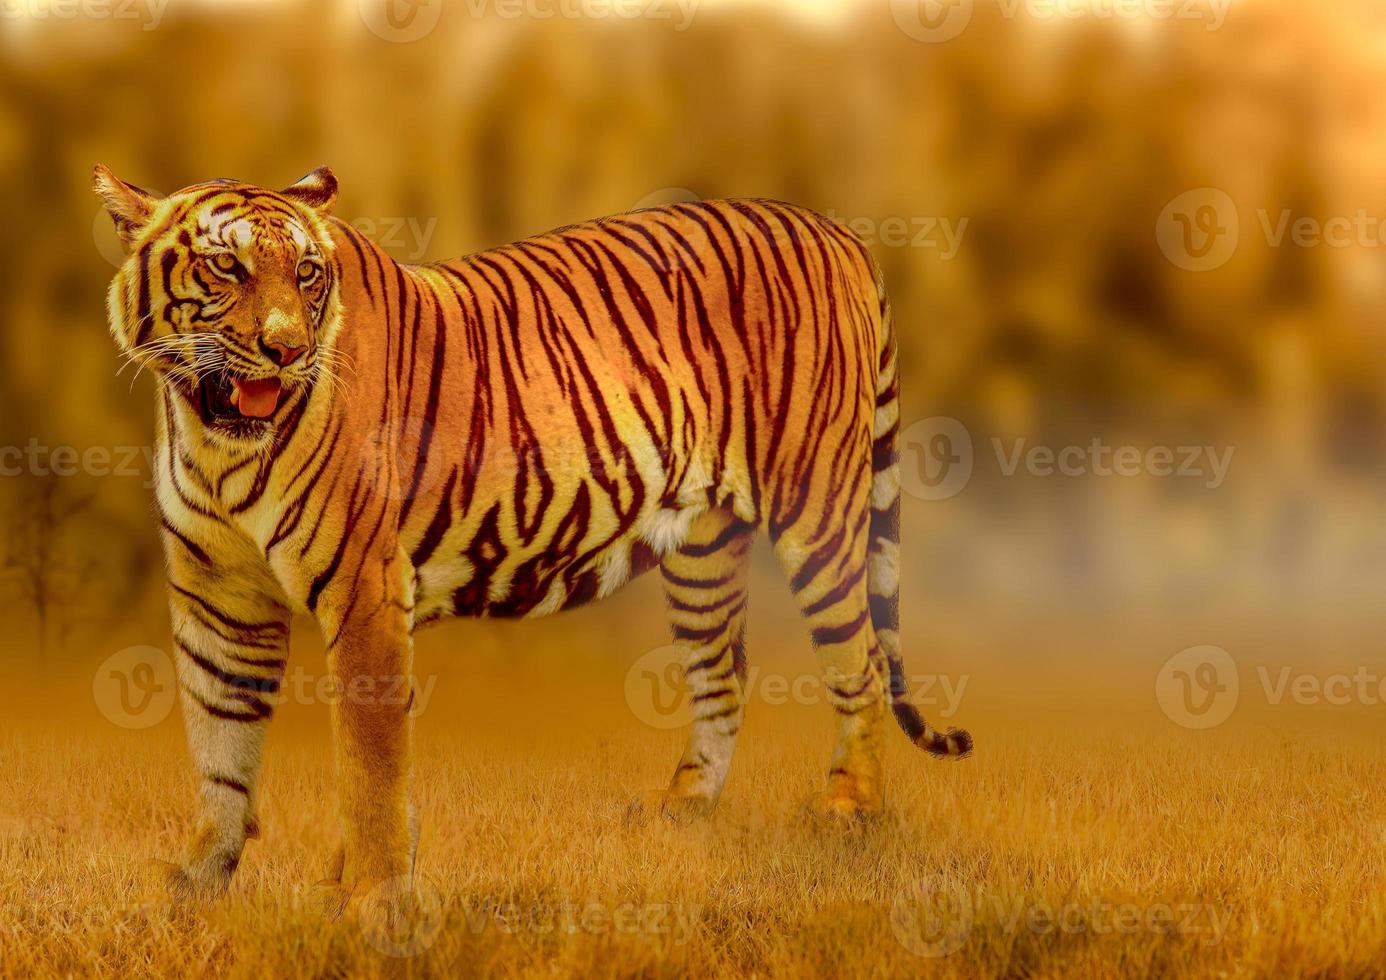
(552, 531)
(493, 577)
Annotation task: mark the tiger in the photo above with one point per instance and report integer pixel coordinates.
(378, 445)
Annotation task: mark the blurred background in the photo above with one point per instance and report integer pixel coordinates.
(1145, 240)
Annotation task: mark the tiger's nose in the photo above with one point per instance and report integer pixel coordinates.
(281, 354)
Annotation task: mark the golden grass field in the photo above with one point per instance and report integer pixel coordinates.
(1088, 835)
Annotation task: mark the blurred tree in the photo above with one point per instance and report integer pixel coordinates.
(51, 579)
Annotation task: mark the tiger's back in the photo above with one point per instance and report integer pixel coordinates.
(565, 406)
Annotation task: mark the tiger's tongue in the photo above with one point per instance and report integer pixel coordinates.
(258, 398)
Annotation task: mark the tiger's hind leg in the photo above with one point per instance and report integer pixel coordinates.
(705, 584)
(825, 559)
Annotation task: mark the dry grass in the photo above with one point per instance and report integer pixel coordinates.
(1253, 849)
(1247, 851)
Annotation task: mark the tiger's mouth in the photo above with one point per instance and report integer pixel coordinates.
(238, 405)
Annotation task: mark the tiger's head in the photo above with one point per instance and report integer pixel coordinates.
(229, 293)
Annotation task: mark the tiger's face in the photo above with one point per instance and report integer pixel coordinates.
(229, 293)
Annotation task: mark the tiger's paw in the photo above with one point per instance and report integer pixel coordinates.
(682, 808)
(191, 886)
(329, 898)
(842, 809)
(400, 916)
(381, 903)
(848, 798)
(668, 806)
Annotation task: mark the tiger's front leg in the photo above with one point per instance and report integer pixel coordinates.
(230, 635)
(366, 617)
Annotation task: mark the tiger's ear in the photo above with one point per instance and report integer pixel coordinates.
(129, 206)
(318, 190)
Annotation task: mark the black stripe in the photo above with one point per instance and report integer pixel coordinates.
(696, 583)
(837, 593)
(885, 611)
(193, 548)
(259, 710)
(708, 662)
(227, 620)
(438, 526)
(729, 534)
(827, 635)
(325, 576)
(692, 635)
(719, 715)
(228, 782)
(678, 605)
(242, 682)
(884, 453)
(435, 384)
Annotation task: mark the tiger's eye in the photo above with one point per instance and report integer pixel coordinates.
(307, 271)
(224, 262)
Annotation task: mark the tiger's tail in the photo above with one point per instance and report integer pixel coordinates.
(883, 556)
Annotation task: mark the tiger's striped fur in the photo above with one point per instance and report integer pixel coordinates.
(510, 434)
